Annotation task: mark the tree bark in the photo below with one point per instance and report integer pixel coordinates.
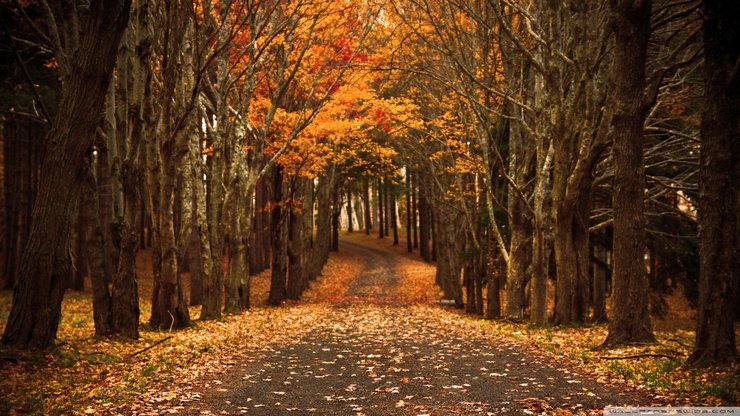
(194, 263)
(409, 243)
(350, 225)
(386, 208)
(448, 267)
(424, 227)
(257, 257)
(169, 309)
(381, 225)
(105, 207)
(598, 296)
(719, 198)
(266, 230)
(414, 181)
(493, 307)
(79, 263)
(307, 220)
(278, 228)
(238, 281)
(630, 320)
(571, 255)
(124, 292)
(336, 210)
(92, 233)
(323, 225)
(433, 228)
(213, 280)
(366, 201)
(296, 246)
(37, 298)
(519, 257)
(394, 220)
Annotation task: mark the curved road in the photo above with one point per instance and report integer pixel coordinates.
(378, 277)
(371, 358)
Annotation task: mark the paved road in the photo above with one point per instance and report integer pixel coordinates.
(373, 358)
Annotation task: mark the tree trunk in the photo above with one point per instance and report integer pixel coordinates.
(433, 228)
(719, 199)
(307, 220)
(471, 270)
(386, 208)
(213, 275)
(366, 201)
(409, 243)
(571, 259)
(79, 263)
(493, 307)
(598, 297)
(424, 228)
(169, 309)
(629, 321)
(336, 210)
(194, 263)
(266, 231)
(394, 220)
(201, 238)
(237, 285)
(278, 279)
(124, 292)
(37, 298)
(448, 264)
(479, 278)
(92, 233)
(238, 282)
(538, 300)
(131, 181)
(519, 257)
(105, 207)
(256, 255)
(296, 246)
(323, 225)
(414, 181)
(350, 225)
(381, 225)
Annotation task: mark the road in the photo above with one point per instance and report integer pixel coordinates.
(374, 356)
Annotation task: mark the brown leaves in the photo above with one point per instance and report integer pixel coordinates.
(86, 374)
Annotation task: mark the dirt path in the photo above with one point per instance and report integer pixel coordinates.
(372, 357)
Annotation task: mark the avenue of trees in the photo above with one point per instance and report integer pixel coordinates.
(578, 154)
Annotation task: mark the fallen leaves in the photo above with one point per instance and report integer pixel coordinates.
(88, 376)
(85, 373)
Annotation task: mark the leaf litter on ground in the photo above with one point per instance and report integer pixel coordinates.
(86, 375)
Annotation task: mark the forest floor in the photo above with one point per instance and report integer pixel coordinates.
(367, 338)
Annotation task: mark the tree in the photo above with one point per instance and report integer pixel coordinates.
(719, 200)
(37, 298)
(629, 321)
